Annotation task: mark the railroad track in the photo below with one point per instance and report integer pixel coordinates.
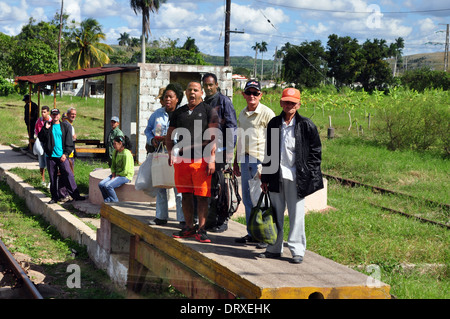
(20, 286)
(353, 183)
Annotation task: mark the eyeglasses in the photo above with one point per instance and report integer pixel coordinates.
(252, 93)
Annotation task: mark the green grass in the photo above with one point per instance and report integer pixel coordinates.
(33, 236)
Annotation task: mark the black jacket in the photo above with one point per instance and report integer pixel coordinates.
(48, 143)
(308, 156)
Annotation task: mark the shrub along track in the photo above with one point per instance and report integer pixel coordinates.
(352, 183)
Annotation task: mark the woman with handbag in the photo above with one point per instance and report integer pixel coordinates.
(155, 132)
(122, 169)
(45, 112)
(291, 172)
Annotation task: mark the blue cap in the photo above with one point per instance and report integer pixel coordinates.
(253, 84)
(115, 119)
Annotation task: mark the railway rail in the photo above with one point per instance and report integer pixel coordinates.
(353, 183)
(24, 287)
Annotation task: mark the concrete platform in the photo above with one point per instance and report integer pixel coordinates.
(226, 265)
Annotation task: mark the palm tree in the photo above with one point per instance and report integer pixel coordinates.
(262, 49)
(124, 39)
(255, 47)
(85, 49)
(145, 6)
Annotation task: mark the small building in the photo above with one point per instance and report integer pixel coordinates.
(131, 91)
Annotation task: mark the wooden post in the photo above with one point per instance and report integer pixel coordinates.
(54, 96)
(136, 271)
(29, 119)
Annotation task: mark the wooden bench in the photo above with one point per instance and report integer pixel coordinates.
(98, 149)
(223, 268)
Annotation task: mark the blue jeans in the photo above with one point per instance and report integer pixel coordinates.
(162, 205)
(107, 187)
(249, 168)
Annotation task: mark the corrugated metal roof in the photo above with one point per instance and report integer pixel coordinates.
(64, 76)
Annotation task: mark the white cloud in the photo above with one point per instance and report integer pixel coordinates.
(72, 8)
(426, 26)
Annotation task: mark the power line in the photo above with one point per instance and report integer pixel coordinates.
(356, 12)
(295, 48)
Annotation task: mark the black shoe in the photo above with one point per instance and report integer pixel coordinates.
(218, 229)
(245, 239)
(261, 245)
(297, 259)
(52, 201)
(158, 221)
(269, 255)
(202, 236)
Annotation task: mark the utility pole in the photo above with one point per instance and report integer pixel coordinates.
(59, 44)
(226, 61)
(446, 50)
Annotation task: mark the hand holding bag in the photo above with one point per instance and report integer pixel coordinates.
(162, 173)
(37, 148)
(262, 223)
(144, 178)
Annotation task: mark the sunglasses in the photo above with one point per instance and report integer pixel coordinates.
(252, 93)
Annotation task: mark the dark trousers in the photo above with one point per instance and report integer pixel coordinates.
(66, 177)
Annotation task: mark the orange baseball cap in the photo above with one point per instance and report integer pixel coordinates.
(291, 95)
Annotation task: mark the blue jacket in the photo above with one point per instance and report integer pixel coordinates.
(227, 117)
(157, 125)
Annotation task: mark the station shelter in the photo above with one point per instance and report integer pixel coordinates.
(131, 93)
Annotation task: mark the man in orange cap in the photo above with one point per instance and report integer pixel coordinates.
(298, 150)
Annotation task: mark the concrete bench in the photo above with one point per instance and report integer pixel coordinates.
(126, 192)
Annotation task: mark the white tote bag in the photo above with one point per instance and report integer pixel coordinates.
(37, 148)
(255, 186)
(162, 173)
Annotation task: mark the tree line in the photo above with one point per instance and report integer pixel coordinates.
(344, 61)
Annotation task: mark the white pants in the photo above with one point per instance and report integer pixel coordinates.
(296, 210)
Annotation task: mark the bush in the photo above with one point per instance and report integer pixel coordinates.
(6, 88)
(406, 125)
(421, 79)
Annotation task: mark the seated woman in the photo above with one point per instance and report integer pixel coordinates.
(122, 169)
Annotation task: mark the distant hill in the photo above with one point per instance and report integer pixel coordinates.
(434, 61)
(241, 64)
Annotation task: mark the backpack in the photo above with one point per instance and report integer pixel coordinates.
(226, 192)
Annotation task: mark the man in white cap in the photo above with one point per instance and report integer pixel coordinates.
(251, 143)
(115, 131)
(297, 150)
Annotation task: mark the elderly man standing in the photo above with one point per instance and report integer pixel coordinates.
(297, 173)
(251, 144)
(195, 160)
(56, 138)
(225, 145)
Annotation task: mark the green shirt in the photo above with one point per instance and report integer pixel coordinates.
(123, 164)
(112, 134)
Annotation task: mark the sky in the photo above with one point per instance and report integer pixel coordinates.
(420, 23)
